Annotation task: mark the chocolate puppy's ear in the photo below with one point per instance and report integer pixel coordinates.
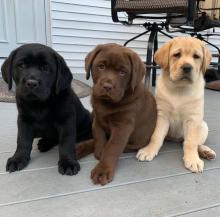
(63, 76)
(90, 58)
(138, 69)
(7, 68)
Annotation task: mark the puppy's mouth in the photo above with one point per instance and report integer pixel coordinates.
(32, 95)
(183, 78)
(108, 97)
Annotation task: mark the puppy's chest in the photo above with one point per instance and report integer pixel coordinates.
(177, 113)
(108, 118)
(176, 124)
(105, 121)
(40, 119)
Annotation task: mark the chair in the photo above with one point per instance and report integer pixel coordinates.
(185, 16)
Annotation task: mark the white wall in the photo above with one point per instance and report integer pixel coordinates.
(79, 25)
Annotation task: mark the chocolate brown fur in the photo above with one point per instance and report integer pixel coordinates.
(124, 111)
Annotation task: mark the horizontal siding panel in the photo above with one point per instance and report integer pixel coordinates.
(82, 9)
(93, 3)
(64, 24)
(73, 56)
(93, 41)
(93, 33)
(72, 48)
(75, 63)
(79, 55)
(77, 45)
(77, 70)
(86, 17)
(85, 49)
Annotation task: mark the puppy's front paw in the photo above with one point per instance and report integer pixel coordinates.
(146, 154)
(193, 163)
(17, 163)
(67, 167)
(102, 174)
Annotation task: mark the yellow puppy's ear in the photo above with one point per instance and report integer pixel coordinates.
(206, 58)
(161, 57)
(90, 58)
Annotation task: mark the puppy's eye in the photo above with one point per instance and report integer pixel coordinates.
(101, 67)
(195, 56)
(177, 55)
(45, 67)
(21, 65)
(122, 73)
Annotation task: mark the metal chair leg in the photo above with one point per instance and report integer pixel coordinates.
(154, 71)
(162, 32)
(149, 56)
(137, 36)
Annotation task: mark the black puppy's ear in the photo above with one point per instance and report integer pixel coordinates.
(6, 69)
(138, 69)
(64, 75)
(90, 58)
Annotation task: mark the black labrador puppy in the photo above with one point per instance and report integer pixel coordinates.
(47, 106)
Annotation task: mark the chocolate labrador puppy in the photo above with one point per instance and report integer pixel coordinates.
(124, 111)
(47, 106)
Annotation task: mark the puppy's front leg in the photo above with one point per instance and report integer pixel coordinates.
(21, 157)
(100, 139)
(67, 164)
(151, 150)
(104, 171)
(192, 139)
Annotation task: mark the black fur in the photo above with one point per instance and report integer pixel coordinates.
(47, 106)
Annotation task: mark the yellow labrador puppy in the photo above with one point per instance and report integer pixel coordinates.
(180, 101)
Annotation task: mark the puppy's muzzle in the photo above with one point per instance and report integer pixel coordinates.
(32, 84)
(107, 87)
(186, 69)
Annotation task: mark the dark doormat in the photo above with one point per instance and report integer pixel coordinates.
(213, 85)
(212, 78)
(80, 88)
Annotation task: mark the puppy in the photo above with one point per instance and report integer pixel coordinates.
(124, 111)
(180, 101)
(47, 106)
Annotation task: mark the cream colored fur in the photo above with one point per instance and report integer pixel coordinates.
(180, 102)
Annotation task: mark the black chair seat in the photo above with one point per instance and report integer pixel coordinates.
(151, 6)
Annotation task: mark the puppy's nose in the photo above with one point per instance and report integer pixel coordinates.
(187, 68)
(30, 83)
(107, 86)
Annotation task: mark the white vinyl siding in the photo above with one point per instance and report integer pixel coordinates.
(79, 25)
